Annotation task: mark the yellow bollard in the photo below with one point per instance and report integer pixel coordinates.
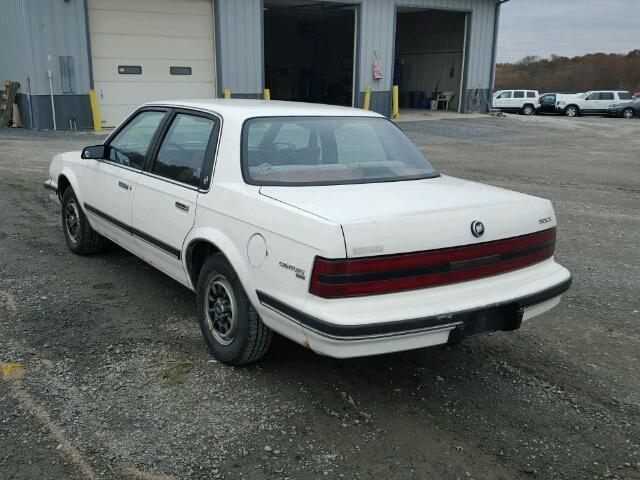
(227, 93)
(267, 94)
(367, 98)
(395, 108)
(95, 111)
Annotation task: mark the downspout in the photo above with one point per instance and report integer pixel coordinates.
(496, 21)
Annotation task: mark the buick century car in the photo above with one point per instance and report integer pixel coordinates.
(324, 224)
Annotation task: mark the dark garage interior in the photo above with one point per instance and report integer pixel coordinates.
(429, 57)
(309, 51)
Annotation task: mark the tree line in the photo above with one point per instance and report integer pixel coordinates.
(596, 71)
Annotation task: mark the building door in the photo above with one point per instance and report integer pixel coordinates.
(309, 51)
(147, 50)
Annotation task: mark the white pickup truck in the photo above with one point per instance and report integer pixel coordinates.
(594, 102)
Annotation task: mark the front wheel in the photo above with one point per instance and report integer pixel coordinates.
(628, 113)
(571, 111)
(528, 110)
(81, 238)
(230, 325)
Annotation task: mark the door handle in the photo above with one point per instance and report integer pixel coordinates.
(123, 185)
(182, 206)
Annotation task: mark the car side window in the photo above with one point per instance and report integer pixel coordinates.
(593, 96)
(182, 153)
(505, 95)
(625, 96)
(519, 94)
(130, 146)
(606, 96)
(531, 94)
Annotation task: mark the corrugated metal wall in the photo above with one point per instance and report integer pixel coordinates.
(13, 46)
(56, 28)
(239, 46)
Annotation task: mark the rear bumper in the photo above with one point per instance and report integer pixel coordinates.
(353, 340)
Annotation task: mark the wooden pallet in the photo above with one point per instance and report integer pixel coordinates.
(8, 99)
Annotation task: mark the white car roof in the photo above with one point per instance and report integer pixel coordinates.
(242, 109)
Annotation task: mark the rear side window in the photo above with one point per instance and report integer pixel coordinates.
(505, 95)
(625, 96)
(531, 94)
(182, 154)
(129, 147)
(518, 94)
(606, 96)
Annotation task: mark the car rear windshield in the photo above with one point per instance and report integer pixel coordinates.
(297, 151)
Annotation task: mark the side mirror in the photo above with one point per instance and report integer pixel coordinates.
(95, 152)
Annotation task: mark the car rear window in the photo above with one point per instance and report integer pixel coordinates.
(329, 151)
(531, 94)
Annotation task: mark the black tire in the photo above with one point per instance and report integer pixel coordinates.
(572, 111)
(234, 339)
(528, 110)
(81, 238)
(628, 113)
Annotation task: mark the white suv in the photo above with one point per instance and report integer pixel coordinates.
(594, 102)
(324, 224)
(517, 101)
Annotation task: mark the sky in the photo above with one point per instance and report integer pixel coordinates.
(567, 28)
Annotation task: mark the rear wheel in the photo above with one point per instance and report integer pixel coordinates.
(81, 238)
(528, 110)
(628, 113)
(571, 111)
(230, 325)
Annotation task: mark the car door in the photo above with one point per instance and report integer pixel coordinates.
(110, 183)
(164, 204)
(591, 103)
(606, 99)
(502, 99)
(548, 103)
(518, 100)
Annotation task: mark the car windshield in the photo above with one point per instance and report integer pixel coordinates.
(298, 151)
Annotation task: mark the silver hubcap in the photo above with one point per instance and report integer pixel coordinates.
(571, 112)
(221, 310)
(72, 221)
(628, 114)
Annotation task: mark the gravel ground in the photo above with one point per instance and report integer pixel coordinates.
(105, 375)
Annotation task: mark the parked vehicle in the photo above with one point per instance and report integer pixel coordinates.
(548, 101)
(517, 101)
(626, 110)
(324, 224)
(593, 102)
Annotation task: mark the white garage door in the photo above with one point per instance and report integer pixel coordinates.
(144, 50)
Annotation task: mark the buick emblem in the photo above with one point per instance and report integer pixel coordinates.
(477, 228)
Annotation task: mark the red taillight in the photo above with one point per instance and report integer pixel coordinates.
(396, 273)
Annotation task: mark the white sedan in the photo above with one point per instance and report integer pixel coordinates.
(323, 224)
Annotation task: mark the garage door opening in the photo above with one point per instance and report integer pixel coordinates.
(429, 58)
(309, 51)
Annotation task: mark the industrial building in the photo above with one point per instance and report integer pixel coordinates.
(133, 51)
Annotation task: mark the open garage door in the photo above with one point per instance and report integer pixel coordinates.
(429, 57)
(309, 51)
(146, 50)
